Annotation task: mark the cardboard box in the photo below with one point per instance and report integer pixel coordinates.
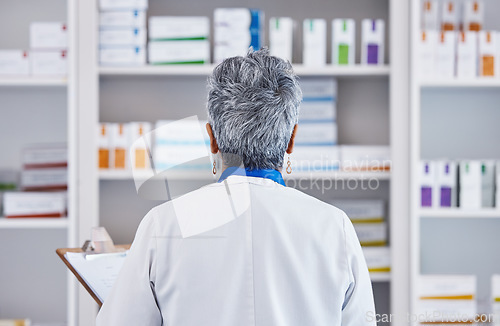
(445, 55)
(48, 36)
(427, 53)
(446, 178)
(123, 36)
(314, 159)
(449, 16)
(141, 146)
(467, 54)
(378, 259)
(488, 54)
(281, 37)
(45, 156)
(430, 20)
(343, 41)
(14, 63)
(372, 41)
(487, 184)
(123, 4)
(473, 15)
(123, 18)
(365, 158)
(179, 52)
(470, 196)
(236, 30)
(371, 234)
(314, 42)
(122, 55)
(49, 63)
(429, 194)
(362, 210)
(44, 179)
(178, 28)
(442, 297)
(34, 204)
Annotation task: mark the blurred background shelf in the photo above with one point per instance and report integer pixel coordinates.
(465, 83)
(31, 81)
(460, 213)
(205, 70)
(33, 223)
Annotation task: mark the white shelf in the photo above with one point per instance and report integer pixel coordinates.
(32, 81)
(205, 70)
(459, 213)
(464, 83)
(380, 277)
(198, 175)
(33, 223)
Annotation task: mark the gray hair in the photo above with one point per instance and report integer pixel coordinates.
(253, 105)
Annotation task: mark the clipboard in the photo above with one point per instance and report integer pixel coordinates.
(61, 252)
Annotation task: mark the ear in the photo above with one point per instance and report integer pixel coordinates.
(214, 148)
(289, 149)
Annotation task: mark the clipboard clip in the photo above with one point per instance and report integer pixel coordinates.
(100, 243)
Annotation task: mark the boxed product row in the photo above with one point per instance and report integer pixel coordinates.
(185, 39)
(48, 55)
(459, 54)
(453, 15)
(466, 184)
(453, 299)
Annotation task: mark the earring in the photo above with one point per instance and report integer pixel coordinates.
(214, 170)
(288, 166)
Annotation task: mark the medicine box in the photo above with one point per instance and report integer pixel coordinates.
(365, 158)
(49, 63)
(122, 18)
(442, 297)
(281, 37)
(48, 36)
(488, 54)
(495, 298)
(470, 185)
(427, 52)
(362, 210)
(371, 234)
(119, 145)
(446, 178)
(473, 15)
(444, 63)
(343, 41)
(122, 56)
(236, 30)
(430, 15)
(314, 42)
(487, 183)
(104, 144)
(467, 54)
(179, 52)
(34, 204)
(314, 159)
(140, 145)
(14, 63)
(45, 156)
(106, 5)
(428, 190)
(44, 179)
(316, 134)
(372, 41)
(179, 28)
(378, 259)
(122, 36)
(449, 16)
(319, 97)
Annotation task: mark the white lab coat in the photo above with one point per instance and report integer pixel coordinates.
(284, 259)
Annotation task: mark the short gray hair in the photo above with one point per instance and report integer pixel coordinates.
(253, 105)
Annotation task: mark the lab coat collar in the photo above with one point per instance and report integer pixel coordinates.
(270, 174)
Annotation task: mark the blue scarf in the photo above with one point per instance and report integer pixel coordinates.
(271, 174)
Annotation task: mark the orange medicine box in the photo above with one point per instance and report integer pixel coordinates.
(119, 145)
(449, 16)
(488, 55)
(473, 15)
(103, 140)
(140, 139)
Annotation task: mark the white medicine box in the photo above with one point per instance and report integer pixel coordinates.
(466, 54)
(473, 15)
(314, 42)
(14, 63)
(449, 16)
(49, 63)
(48, 36)
(123, 36)
(488, 54)
(281, 37)
(428, 190)
(427, 52)
(470, 185)
(106, 5)
(372, 41)
(343, 41)
(430, 15)
(122, 18)
(444, 64)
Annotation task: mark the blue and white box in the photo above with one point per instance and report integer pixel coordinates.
(122, 18)
(122, 55)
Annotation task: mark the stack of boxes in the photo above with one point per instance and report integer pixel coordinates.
(466, 184)
(44, 181)
(237, 29)
(122, 32)
(179, 40)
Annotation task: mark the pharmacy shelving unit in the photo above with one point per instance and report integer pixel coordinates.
(34, 283)
(371, 111)
(452, 119)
